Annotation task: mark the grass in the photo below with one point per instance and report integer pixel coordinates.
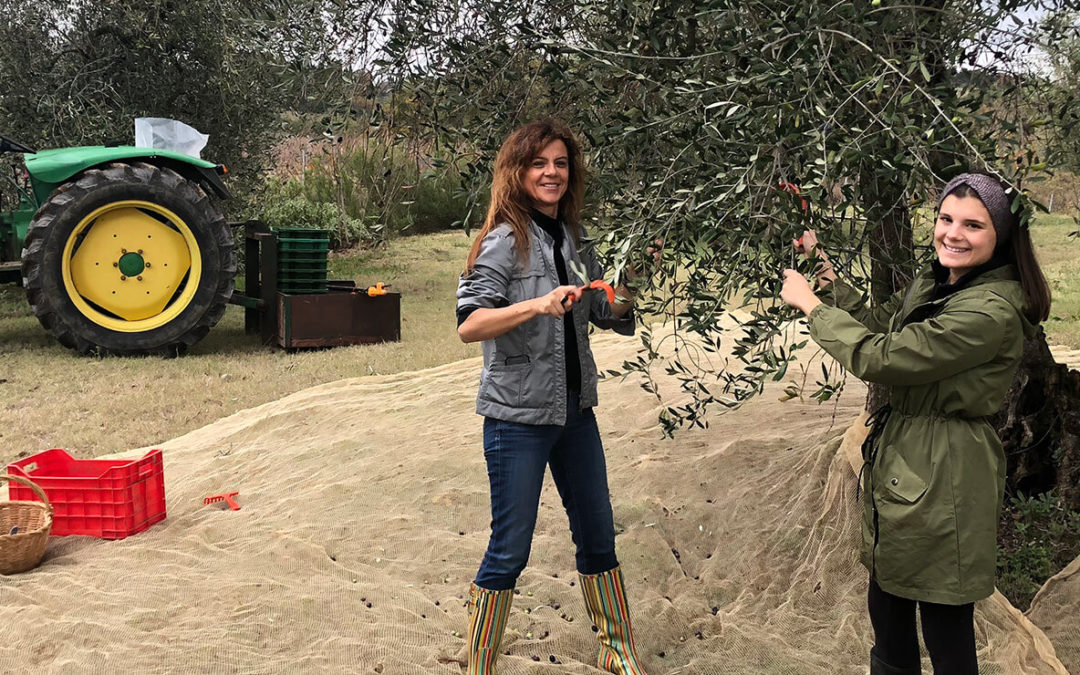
(1038, 537)
(51, 397)
(1059, 257)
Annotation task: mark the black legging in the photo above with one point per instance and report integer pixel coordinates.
(948, 630)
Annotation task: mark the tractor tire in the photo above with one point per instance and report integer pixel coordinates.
(96, 262)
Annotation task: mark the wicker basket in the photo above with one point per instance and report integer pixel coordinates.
(24, 549)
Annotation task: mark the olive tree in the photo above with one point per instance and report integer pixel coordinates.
(695, 114)
(1063, 94)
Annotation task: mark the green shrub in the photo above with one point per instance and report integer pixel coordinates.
(1037, 537)
(382, 190)
(285, 206)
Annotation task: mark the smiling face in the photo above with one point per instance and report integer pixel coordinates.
(546, 177)
(964, 236)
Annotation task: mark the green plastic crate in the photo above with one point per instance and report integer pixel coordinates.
(302, 260)
(295, 240)
(301, 233)
(302, 247)
(304, 288)
(300, 288)
(306, 266)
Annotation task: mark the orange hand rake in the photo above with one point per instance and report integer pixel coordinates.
(226, 497)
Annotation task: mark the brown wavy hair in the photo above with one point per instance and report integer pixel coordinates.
(511, 203)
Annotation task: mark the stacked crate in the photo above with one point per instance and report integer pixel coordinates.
(302, 255)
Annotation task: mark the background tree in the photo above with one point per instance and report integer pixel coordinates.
(1063, 56)
(75, 73)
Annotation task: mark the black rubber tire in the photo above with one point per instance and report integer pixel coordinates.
(65, 209)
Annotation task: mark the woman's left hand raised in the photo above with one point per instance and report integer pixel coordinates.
(654, 251)
(625, 293)
(797, 292)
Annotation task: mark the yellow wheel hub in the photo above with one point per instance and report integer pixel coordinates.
(131, 266)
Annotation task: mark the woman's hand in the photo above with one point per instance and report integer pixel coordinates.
(557, 302)
(655, 251)
(797, 292)
(808, 246)
(624, 293)
(487, 323)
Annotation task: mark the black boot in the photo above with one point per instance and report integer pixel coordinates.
(879, 667)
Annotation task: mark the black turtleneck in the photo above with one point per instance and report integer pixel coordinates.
(573, 366)
(943, 288)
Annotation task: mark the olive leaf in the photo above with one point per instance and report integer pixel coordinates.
(579, 271)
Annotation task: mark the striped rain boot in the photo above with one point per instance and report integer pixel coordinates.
(605, 600)
(488, 612)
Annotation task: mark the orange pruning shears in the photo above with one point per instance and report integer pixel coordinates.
(596, 285)
(377, 289)
(794, 189)
(600, 284)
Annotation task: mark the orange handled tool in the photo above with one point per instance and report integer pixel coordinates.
(794, 189)
(600, 284)
(596, 285)
(226, 497)
(377, 289)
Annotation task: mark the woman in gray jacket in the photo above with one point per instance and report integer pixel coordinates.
(521, 297)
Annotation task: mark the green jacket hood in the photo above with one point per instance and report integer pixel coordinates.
(1004, 282)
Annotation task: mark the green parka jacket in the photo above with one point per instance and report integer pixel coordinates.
(935, 473)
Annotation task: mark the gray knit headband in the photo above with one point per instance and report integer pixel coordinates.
(993, 198)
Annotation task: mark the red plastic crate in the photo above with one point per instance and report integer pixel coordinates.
(107, 498)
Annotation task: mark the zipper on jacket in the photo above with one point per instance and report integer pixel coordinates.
(549, 269)
(877, 421)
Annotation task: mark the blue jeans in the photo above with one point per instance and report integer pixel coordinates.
(517, 455)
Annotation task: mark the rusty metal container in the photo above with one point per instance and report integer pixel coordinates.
(341, 316)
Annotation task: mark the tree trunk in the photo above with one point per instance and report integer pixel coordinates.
(891, 246)
(1039, 426)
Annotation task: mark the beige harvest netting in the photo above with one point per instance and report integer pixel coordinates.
(365, 514)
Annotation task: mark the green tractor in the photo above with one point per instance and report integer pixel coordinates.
(121, 249)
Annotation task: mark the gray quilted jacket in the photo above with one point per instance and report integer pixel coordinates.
(524, 375)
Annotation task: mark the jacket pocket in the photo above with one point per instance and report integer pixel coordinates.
(530, 280)
(898, 481)
(504, 382)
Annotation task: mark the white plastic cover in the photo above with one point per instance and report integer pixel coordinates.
(166, 134)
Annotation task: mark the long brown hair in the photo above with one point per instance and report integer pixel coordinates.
(1036, 290)
(1019, 251)
(510, 203)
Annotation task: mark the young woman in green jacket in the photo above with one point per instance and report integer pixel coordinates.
(934, 470)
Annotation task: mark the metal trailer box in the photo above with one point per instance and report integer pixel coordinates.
(341, 316)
